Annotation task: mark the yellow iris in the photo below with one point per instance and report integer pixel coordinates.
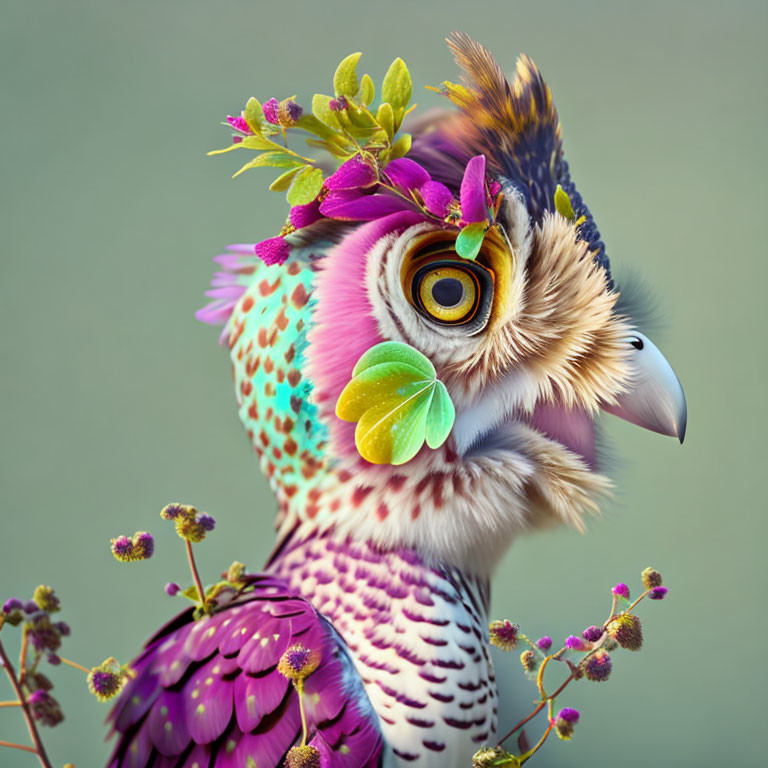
(449, 294)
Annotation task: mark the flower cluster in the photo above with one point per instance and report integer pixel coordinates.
(191, 525)
(586, 655)
(374, 179)
(107, 680)
(141, 546)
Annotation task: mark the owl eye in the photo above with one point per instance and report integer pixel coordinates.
(452, 292)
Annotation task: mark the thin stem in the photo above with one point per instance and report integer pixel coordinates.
(75, 665)
(613, 610)
(531, 752)
(10, 703)
(39, 748)
(540, 678)
(195, 574)
(300, 689)
(533, 714)
(23, 654)
(17, 746)
(629, 610)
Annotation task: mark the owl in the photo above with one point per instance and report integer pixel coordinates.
(420, 359)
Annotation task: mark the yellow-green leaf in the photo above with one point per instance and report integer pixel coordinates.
(367, 90)
(563, 204)
(322, 110)
(470, 240)
(386, 119)
(249, 142)
(283, 181)
(253, 115)
(272, 160)
(345, 80)
(402, 146)
(397, 87)
(397, 402)
(306, 186)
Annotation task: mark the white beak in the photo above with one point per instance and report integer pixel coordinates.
(655, 399)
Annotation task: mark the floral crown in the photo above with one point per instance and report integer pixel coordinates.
(373, 178)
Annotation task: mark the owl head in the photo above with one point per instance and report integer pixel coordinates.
(461, 251)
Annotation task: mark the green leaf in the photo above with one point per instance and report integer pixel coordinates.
(397, 87)
(283, 181)
(249, 142)
(272, 160)
(385, 117)
(402, 146)
(470, 239)
(322, 111)
(306, 186)
(441, 416)
(337, 151)
(563, 204)
(191, 594)
(397, 402)
(345, 80)
(367, 90)
(395, 352)
(253, 115)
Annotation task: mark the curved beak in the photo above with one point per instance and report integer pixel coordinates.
(655, 400)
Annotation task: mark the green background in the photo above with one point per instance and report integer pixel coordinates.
(115, 401)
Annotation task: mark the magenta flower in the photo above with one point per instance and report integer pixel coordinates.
(621, 590)
(658, 593)
(274, 250)
(407, 174)
(438, 199)
(352, 174)
(473, 193)
(303, 215)
(271, 110)
(544, 643)
(239, 124)
(575, 643)
(592, 634)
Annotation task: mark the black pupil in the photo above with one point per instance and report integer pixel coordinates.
(448, 291)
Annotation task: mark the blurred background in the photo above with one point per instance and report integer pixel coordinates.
(116, 401)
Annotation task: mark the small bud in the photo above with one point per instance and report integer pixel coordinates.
(12, 604)
(592, 634)
(658, 593)
(64, 628)
(289, 113)
(271, 110)
(598, 666)
(31, 607)
(627, 631)
(565, 721)
(194, 527)
(45, 635)
(491, 756)
(106, 680)
(38, 682)
(337, 105)
(305, 756)
(621, 590)
(53, 659)
(172, 588)
(575, 643)
(14, 618)
(651, 578)
(544, 643)
(529, 660)
(175, 510)
(143, 545)
(503, 634)
(235, 572)
(298, 662)
(122, 549)
(46, 600)
(45, 709)
(205, 521)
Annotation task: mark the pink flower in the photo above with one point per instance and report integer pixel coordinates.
(274, 250)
